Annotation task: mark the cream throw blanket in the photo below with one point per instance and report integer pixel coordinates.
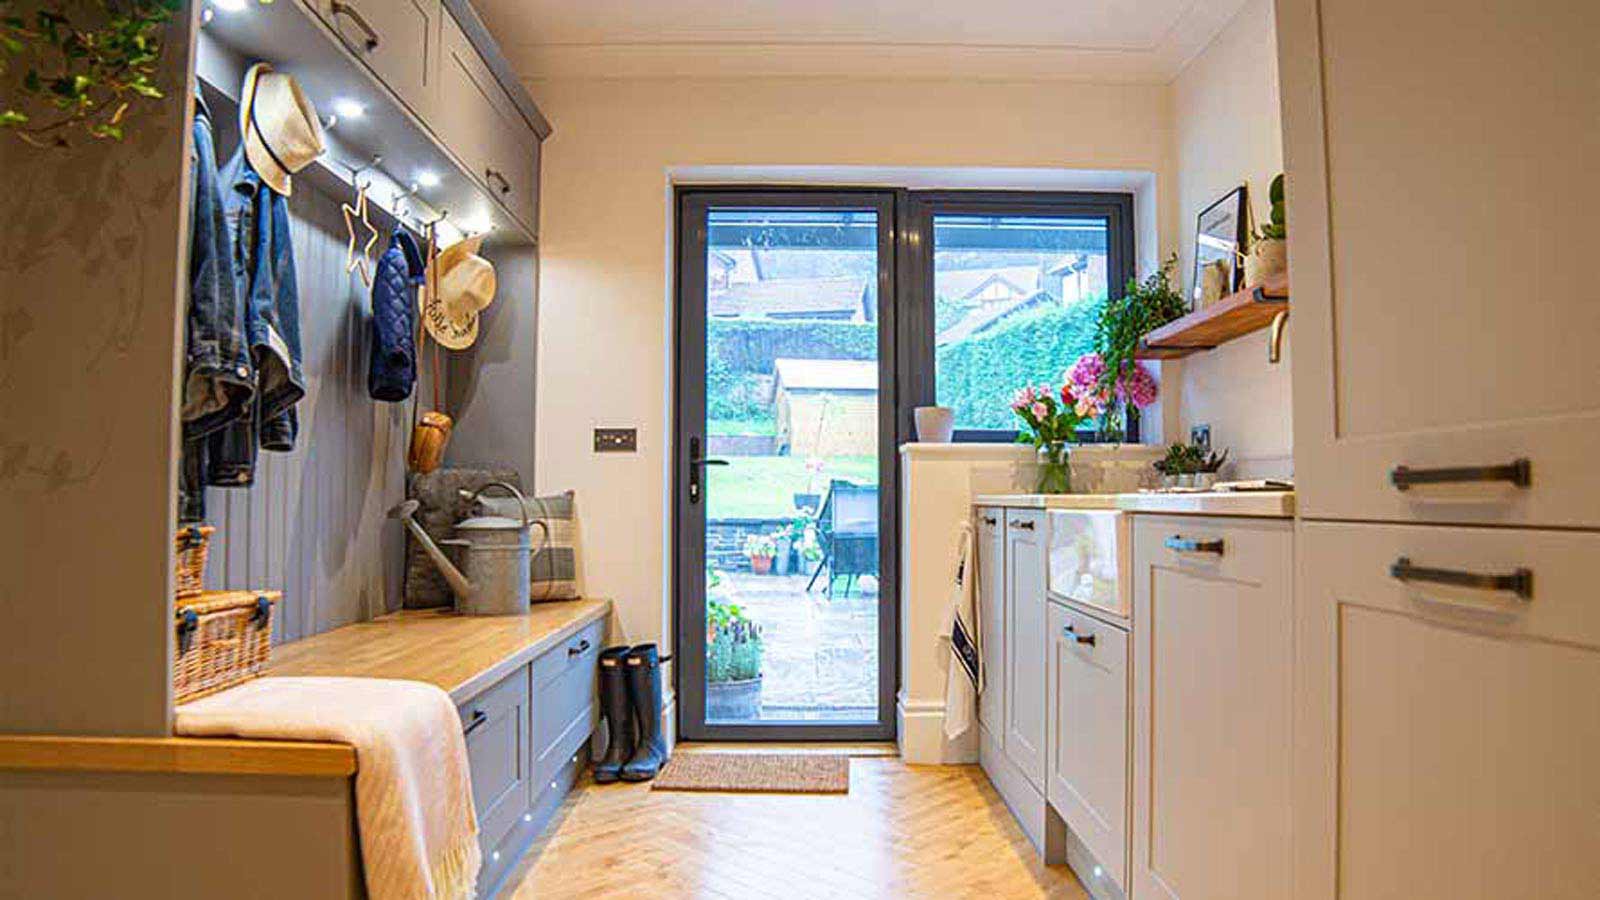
(419, 833)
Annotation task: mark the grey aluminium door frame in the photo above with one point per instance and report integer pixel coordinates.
(692, 205)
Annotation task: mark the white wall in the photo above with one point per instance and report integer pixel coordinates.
(605, 236)
(1227, 129)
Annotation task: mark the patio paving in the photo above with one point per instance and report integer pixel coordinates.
(821, 660)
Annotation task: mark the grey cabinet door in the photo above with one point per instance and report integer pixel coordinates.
(1027, 643)
(398, 40)
(564, 702)
(496, 724)
(479, 123)
(991, 614)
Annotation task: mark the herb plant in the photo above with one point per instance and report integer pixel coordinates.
(733, 644)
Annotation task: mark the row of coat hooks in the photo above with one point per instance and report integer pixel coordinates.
(357, 217)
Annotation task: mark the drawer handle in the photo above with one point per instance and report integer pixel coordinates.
(494, 175)
(990, 521)
(1518, 472)
(479, 717)
(1020, 523)
(1519, 582)
(1067, 631)
(341, 8)
(1190, 545)
(578, 648)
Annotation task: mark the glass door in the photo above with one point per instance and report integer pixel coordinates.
(784, 465)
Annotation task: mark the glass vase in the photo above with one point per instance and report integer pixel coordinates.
(1055, 476)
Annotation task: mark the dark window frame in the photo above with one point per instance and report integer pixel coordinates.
(916, 211)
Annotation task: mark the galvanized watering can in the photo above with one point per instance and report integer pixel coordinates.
(495, 551)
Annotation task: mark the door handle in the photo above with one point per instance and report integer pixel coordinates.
(1190, 545)
(1519, 472)
(340, 8)
(1068, 631)
(495, 175)
(697, 464)
(479, 717)
(576, 649)
(1022, 523)
(1519, 582)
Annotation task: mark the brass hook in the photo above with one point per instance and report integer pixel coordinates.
(1275, 341)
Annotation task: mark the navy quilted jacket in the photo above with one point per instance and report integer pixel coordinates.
(393, 368)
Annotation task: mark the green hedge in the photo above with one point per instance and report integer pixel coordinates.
(748, 346)
(977, 377)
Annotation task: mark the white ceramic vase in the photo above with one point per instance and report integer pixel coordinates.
(935, 424)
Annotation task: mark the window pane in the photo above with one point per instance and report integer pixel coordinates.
(1015, 301)
(792, 519)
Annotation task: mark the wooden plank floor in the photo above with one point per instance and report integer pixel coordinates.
(902, 831)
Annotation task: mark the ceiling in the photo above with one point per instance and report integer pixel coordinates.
(1104, 40)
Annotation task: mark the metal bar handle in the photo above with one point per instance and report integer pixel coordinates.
(496, 175)
(1190, 545)
(990, 521)
(1024, 524)
(578, 648)
(1519, 472)
(479, 717)
(1068, 631)
(340, 8)
(1519, 582)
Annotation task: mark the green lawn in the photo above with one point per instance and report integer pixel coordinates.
(760, 425)
(764, 486)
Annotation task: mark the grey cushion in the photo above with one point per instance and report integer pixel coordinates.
(555, 547)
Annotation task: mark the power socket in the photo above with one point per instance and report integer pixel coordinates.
(1201, 435)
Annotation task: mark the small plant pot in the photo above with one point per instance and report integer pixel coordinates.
(1186, 480)
(1269, 258)
(761, 565)
(737, 701)
(780, 563)
(807, 501)
(1205, 481)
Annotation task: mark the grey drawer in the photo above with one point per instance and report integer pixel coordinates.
(565, 710)
(496, 724)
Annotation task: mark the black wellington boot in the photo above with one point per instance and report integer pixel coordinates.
(643, 666)
(618, 711)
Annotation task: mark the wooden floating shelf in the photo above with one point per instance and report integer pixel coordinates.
(1235, 315)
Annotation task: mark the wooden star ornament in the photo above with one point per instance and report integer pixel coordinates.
(359, 261)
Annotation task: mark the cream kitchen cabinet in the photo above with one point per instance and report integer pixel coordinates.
(1027, 643)
(1213, 640)
(397, 39)
(991, 567)
(1446, 733)
(1442, 194)
(1088, 698)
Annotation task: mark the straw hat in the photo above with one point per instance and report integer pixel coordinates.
(466, 285)
(282, 133)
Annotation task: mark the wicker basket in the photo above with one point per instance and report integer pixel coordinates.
(190, 546)
(223, 638)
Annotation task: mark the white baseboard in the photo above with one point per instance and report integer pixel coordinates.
(920, 725)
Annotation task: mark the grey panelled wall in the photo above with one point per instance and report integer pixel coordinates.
(94, 251)
(313, 525)
(491, 384)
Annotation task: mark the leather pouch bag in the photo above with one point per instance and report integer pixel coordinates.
(428, 439)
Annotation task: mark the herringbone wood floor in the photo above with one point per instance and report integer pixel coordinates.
(902, 832)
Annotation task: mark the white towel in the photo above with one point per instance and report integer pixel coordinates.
(419, 833)
(965, 678)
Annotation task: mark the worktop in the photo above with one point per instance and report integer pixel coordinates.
(1257, 504)
(463, 655)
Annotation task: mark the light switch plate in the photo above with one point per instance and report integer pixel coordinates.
(616, 440)
(1201, 434)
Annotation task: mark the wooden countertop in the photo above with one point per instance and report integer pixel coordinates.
(1254, 504)
(461, 654)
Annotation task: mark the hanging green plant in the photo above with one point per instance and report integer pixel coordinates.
(83, 65)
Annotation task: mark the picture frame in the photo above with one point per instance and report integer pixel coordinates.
(1220, 236)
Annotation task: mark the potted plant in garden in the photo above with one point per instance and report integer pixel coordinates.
(811, 498)
(1269, 245)
(733, 663)
(760, 548)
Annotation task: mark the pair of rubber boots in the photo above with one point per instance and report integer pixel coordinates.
(630, 697)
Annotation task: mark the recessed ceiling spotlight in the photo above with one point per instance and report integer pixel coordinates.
(427, 179)
(348, 109)
(231, 5)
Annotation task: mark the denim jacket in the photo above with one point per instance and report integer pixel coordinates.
(265, 272)
(392, 368)
(219, 381)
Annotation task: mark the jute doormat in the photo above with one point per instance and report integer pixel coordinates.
(756, 773)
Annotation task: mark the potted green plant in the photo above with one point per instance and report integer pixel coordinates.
(1269, 245)
(733, 663)
(1190, 466)
(1125, 385)
(760, 549)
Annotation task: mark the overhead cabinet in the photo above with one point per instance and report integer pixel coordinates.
(1431, 357)
(480, 123)
(397, 39)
